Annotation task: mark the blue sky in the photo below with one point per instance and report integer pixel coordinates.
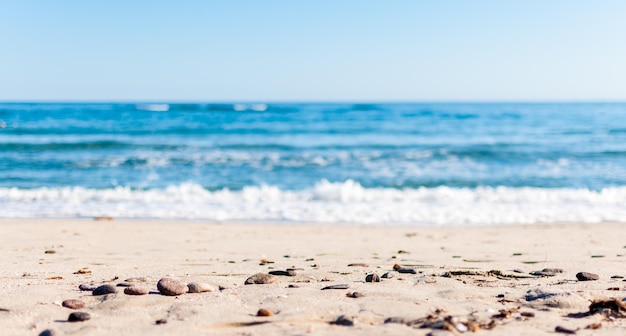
(312, 50)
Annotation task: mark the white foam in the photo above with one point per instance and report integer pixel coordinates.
(346, 202)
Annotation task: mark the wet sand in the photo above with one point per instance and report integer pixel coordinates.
(475, 278)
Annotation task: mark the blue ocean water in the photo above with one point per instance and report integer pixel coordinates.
(416, 164)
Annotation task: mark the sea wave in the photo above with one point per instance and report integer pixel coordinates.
(341, 202)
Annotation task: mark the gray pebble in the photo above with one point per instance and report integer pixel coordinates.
(553, 270)
(171, 287)
(134, 290)
(387, 275)
(104, 289)
(78, 317)
(200, 287)
(338, 286)
(73, 304)
(49, 332)
(261, 279)
(87, 287)
(138, 279)
(398, 320)
(586, 276)
(124, 284)
(372, 278)
(543, 273)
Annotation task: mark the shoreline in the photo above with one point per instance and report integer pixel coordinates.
(224, 255)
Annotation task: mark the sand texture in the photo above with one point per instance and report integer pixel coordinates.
(438, 281)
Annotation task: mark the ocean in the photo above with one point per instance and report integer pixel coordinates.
(388, 164)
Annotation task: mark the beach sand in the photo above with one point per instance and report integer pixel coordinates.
(469, 277)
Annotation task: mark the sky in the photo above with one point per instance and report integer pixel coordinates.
(312, 51)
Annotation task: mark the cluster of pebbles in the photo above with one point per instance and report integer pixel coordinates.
(435, 321)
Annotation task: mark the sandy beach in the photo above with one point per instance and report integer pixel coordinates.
(457, 279)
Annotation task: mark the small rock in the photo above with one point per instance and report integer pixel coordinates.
(73, 304)
(401, 269)
(527, 314)
(372, 278)
(355, 295)
(86, 287)
(563, 330)
(338, 286)
(200, 287)
(617, 277)
(50, 251)
(171, 287)
(553, 270)
(124, 284)
(387, 275)
(284, 273)
(160, 321)
(134, 290)
(543, 273)
(261, 279)
(49, 332)
(358, 265)
(104, 289)
(137, 279)
(586, 276)
(293, 286)
(78, 317)
(344, 321)
(264, 312)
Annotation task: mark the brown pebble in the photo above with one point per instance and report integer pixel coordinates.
(78, 317)
(104, 289)
(73, 304)
(264, 312)
(527, 314)
(50, 251)
(171, 287)
(355, 295)
(134, 290)
(586, 276)
(261, 279)
(372, 278)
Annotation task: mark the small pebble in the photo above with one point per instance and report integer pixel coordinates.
(171, 287)
(543, 273)
(358, 265)
(124, 284)
(200, 287)
(586, 276)
(134, 290)
(50, 252)
(338, 286)
(104, 289)
(293, 286)
(563, 330)
(160, 321)
(86, 287)
(344, 321)
(527, 314)
(617, 277)
(284, 273)
(261, 279)
(355, 295)
(49, 332)
(553, 270)
(372, 278)
(401, 269)
(398, 320)
(387, 275)
(78, 317)
(137, 279)
(73, 304)
(264, 312)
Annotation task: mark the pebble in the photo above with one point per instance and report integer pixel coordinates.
(134, 290)
(358, 265)
(264, 312)
(401, 269)
(372, 278)
(73, 304)
(138, 279)
(387, 275)
(344, 321)
(543, 273)
(586, 276)
(171, 287)
(563, 330)
(617, 277)
(160, 321)
(124, 284)
(78, 317)
(86, 287)
(290, 272)
(104, 289)
(261, 279)
(552, 270)
(49, 332)
(338, 286)
(355, 295)
(200, 287)
(398, 320)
